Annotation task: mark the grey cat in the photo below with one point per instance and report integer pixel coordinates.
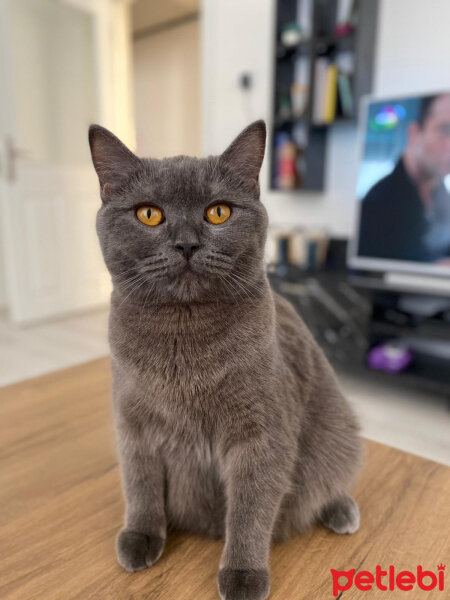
(229, 420)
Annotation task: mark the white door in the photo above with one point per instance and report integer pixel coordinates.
(53, 84)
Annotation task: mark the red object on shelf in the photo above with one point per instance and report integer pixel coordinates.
(287, 173)
(343, 29)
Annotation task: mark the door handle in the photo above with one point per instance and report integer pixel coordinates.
(12, 153)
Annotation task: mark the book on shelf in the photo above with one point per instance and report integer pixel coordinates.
(300, 87)
(344, 11)
(325, 93)
(305, 16)
(320, 83)
(345, 94)
(330, 94)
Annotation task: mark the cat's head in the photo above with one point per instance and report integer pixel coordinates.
(182, 229)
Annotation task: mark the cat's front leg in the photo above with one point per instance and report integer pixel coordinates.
(141, 541)
(256, 476)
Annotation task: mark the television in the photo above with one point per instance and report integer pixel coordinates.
(403, 187)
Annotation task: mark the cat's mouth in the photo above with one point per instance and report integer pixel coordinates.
(194, 277)
(187, 280)
(185, 273)
(189, 269)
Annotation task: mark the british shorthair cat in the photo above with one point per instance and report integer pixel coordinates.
(228, 418)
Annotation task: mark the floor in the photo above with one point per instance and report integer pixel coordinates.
(36, 349)
(411, 420)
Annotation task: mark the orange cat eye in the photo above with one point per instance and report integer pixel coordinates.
(149, 215)
(218, 213)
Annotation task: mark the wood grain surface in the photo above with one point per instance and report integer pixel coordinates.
(61, 507)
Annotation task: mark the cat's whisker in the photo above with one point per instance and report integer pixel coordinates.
(242, 283)
(229, 288)
(224, 257)
(125, 272)
(234, 273)
(156, 263)
(250, 284)
(134, 289)
(251, 277)
(129, 282)
(238, 289)
(247, 269)
(125, 280)
(156, 268)
(133, 286)
(247, 288)
(133, 265)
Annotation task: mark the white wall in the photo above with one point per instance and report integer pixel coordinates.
(167, 92)
(122, 73)
(413, 53)
(3, 298)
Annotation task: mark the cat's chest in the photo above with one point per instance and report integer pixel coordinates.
(185, 366)
(183, 362)
(198, 365)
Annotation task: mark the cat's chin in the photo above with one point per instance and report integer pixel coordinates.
(189, 285)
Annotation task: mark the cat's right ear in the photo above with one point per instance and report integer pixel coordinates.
(113, 161)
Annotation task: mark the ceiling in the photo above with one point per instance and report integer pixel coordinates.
(151, 13)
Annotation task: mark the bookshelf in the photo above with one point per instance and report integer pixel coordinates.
(324, 61)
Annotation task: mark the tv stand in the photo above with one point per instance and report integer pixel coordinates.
(348, 320)
(401, 282)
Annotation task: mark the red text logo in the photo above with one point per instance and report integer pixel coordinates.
(388, 580)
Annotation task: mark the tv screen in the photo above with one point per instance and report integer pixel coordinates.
(403, 187)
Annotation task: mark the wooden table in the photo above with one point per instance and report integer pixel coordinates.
(61, 507)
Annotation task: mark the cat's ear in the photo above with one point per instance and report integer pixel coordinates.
(113, 161)
(245, 154)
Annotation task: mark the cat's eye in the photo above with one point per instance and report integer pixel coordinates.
(149, 215)
(218, 213)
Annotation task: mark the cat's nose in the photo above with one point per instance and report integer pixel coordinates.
(187, 249)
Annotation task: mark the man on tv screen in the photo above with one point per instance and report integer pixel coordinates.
(406, 215)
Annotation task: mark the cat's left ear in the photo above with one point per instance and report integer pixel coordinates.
(245, 154)
(113, 161)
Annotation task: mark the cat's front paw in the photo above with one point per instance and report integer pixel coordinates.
(245, 584)
(137, 551)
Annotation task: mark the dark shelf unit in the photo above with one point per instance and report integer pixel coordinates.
(321, 42)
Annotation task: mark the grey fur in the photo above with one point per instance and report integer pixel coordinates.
(229, 420)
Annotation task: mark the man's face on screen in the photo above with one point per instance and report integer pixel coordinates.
(432, 140)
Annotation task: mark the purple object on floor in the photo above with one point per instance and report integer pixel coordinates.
(389, 357)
